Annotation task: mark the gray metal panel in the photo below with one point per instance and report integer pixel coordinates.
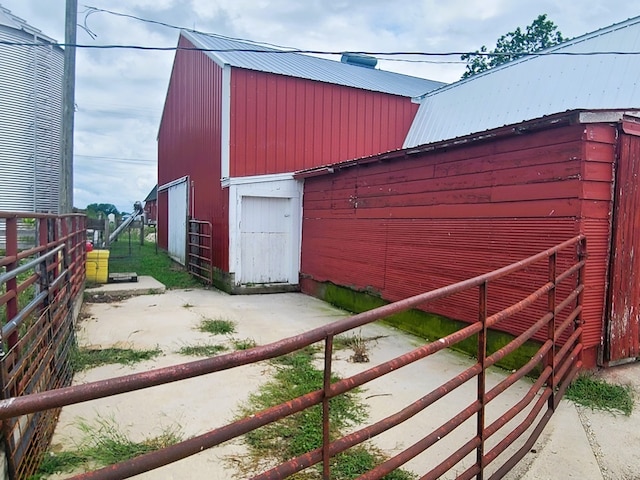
(8, 19)
(537, 86)
(30, 122)
(312, 68)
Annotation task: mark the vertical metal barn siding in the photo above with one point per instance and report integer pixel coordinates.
(30, 118)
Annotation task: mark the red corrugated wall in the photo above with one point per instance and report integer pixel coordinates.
(283, 124)
(189, 144)
(410, 225)
(623, 327)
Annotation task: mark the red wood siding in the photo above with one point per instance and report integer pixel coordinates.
(409, 225)
(189, 144)
(283, 124)
(623, 328)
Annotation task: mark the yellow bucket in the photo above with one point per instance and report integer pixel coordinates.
(98, 266)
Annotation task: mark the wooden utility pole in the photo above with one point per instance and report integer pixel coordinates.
(68, 107)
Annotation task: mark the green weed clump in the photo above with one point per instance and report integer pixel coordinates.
(217, 326)
(87, 358)
(299, 433)
(102, 444)
(201, 350)
(595, 393)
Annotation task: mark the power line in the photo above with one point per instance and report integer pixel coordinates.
(322, 52)
(121, 159)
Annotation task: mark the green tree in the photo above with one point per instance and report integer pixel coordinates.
(106, 208)
(541, 34)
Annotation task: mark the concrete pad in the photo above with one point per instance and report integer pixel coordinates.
(169, 321)
(563, 451)
(145, 285)
(615, 437)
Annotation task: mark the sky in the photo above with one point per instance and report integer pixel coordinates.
(120, 93)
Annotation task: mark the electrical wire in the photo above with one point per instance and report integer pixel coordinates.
(321, 52)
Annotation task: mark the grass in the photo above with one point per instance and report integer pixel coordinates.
(301, 432)
(145, 260)
(102, 444)
(87, 358)
(201, 350)
(217, 326)
(243, 343)
(595, 393)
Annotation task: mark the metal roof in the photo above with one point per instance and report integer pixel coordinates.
(8, 19)
(533, 87)
(292, 64)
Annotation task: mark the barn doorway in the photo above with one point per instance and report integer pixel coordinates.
(177, 221)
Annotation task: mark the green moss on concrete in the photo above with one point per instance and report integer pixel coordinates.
(429, 326)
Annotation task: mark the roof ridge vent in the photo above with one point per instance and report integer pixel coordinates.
(359, 60)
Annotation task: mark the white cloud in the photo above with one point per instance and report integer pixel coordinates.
(120, 93)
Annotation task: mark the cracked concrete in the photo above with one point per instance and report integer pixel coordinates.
(577, 443)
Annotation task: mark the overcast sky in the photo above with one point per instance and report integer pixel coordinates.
(120, 93)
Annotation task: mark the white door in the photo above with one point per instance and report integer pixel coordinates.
(177, 242)
(265, 240)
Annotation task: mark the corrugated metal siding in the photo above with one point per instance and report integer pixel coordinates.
(538, 86)
(409, 225)
(30, 123)
(189, 144)
(623, 329)
(312, 68)
(282, 124)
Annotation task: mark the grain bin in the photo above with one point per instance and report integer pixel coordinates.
(30, 117)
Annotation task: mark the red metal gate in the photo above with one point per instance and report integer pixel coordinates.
(623, 319)
(39, 283)
(199, 253)
(490, 446)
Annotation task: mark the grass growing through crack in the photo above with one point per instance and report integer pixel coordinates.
(86, 358)
(299, 433)
(102, 444)
(217, 326)
(595, 393)
(201, 350)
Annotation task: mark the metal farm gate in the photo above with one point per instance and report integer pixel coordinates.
(492, 443)
(39, 286)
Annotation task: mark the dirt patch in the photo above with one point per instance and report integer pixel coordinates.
(106, 298)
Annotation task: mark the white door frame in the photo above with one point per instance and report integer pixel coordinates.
(176, 229)
(271, 186)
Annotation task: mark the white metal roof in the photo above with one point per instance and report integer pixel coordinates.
(309, 67)
(534, 87)
(8, 19)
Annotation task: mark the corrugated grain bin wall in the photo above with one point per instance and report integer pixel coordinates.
(412, 224)
(189, 144)
(30, 118)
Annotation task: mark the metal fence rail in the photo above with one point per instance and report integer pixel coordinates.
(38, 287)
(557, 361)
(199, 243)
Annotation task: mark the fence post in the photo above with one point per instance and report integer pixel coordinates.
(551, 327)
(482, 356)
(12, 284)
(326, 438)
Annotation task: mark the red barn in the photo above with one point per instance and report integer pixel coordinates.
(468, 194)
(151, 206)
(238, 120)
